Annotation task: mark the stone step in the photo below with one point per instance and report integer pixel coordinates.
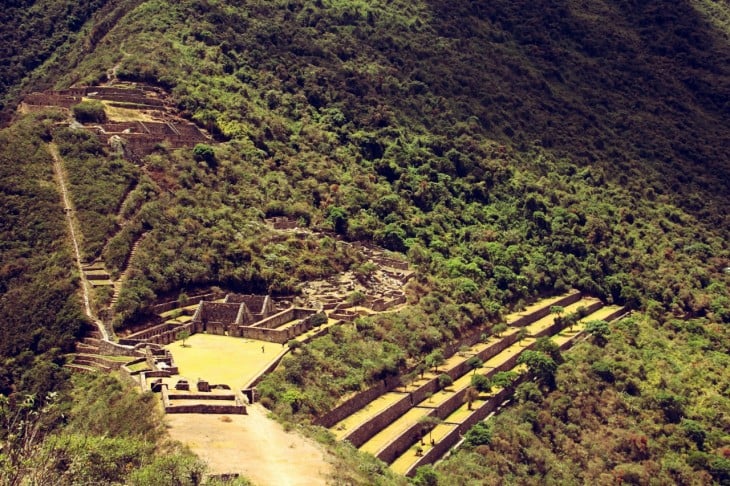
(86, 361)
(91, 341)
(86, 348)
(80, 368)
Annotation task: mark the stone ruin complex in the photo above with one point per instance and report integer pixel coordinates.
(246, 316)
(138, 138)
(378, 291)
(260, 317)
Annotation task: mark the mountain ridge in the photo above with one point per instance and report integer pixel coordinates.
(509, 149)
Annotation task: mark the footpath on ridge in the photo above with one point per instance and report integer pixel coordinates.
(410, 425)
(72, 225)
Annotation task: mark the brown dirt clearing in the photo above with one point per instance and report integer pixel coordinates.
(252, 445)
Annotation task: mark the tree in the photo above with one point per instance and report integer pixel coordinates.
(481, 383)
(89, 112)
(499, 329)
(480, 434)
(204, 153)
(522, 334)
(425, 476)
(503, 379)
(338, 217)
(25, 427)
(428, 423)
(408, 378)
(435, 359)
(548, 346)
(318, 319)
(557, 311)
(541, 365)
(470, 396)
(695, 432)
(474, 362)
(599, 331)
(445, 381)
(294, 344)
(183, 335)
(421, 369)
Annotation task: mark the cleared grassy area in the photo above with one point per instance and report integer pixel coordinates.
(100, 283)
(116, 359)
(346, 425)
(508, 353)
(96, 271)
(118, 114)
(222, 359)
(463, 412)
(138, 366)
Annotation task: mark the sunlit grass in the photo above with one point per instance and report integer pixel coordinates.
(222, 359)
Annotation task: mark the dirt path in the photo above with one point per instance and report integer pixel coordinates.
(68, 209)
(252, 445)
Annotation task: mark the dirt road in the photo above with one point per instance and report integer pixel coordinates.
(252, 445)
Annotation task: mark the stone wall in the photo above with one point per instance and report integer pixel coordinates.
(381, 304)
(196, 297)
(491, 405)
(168, 401)
(365, 431)
(219, 312)
(257, 304)
(449, 440)
(354, 403)
(282, 223)
(166, 334)
(571, 298)
(114, 349)
(399, 445)
(283, 317)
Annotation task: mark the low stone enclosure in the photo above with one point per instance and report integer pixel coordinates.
(216, 399)
(139, 138)
(246, 316)
(387, 422)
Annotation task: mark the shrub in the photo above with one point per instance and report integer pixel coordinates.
(204, 153)
(89, 112)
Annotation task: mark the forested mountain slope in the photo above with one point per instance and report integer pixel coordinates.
(511, 149)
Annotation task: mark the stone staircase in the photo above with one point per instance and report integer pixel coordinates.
(125, 274)
(88, 357)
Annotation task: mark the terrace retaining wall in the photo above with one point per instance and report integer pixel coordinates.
(449, 440)
(360, 400)
(395, 448)
(355, 403)
(523, 321)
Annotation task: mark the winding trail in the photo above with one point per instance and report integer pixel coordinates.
(72, 223)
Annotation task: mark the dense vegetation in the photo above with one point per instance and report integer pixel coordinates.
(111, 434)
(509, 149)
(40, 312)
(648, 407)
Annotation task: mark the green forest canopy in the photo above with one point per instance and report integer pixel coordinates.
(509, 149)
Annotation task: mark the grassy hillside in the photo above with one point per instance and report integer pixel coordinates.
(509, 149)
